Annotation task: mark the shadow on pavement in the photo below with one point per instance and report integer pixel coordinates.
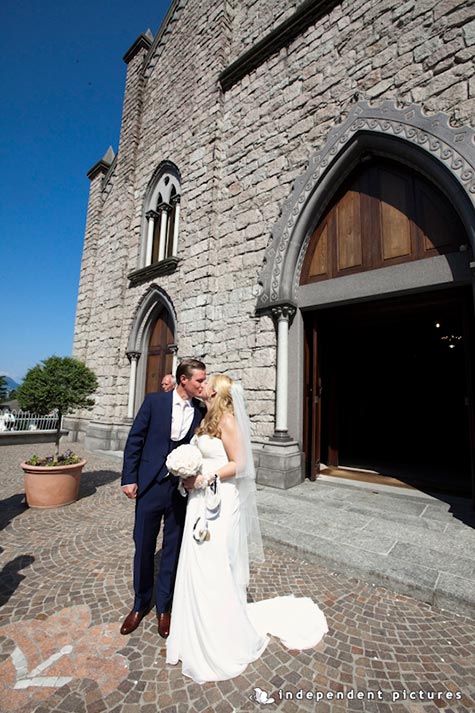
(10, 576)
(91, 481)
(11, 507)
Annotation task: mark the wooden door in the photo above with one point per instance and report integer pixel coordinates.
(320, 399)
(384, 215)
(159, 356)
(312, 400)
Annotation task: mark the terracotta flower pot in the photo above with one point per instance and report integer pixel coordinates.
(52, 487)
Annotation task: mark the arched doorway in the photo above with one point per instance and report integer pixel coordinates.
(388, 382)
(159, 353)
(151, 347)
(432, 149)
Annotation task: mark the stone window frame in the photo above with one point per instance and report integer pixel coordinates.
(160, 225)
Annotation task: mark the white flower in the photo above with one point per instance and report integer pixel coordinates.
(185, 461)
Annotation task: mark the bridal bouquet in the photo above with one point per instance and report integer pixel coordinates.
(184, 462)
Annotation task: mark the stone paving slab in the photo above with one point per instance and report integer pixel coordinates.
(65, 586)
(317, 516)
(462, 567)
(402, 576)
(450, 543)
(380, 536)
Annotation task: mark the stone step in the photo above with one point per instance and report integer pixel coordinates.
(418, 545)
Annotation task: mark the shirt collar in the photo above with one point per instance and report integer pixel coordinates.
(178, 400)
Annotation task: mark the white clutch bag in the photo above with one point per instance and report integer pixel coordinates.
(213, 499)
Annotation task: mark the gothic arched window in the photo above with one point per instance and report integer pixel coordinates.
(162, 212)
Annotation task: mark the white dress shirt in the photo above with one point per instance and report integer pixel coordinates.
(182, 417)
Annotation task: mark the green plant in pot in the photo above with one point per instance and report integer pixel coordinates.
(60, 384)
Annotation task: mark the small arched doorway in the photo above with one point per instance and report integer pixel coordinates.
(387, 390)
(159, 351)
(151, 347)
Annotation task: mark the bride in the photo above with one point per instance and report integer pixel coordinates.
(214, 632)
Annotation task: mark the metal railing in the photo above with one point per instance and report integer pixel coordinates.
(26, 421)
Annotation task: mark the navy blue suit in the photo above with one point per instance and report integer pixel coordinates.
(145, 454)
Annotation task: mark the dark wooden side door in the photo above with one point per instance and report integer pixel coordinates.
(320, 440)
(312, 399)
(159, 356)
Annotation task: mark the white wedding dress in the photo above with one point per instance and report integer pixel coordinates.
(214, 632)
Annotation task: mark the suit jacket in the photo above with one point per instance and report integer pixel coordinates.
(149, 443)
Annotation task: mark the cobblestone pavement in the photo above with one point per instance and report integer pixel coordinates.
(66, 585)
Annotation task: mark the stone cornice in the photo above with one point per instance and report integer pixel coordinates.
(144, 274)
(162, 31)
(308, 13)
(143, 41)
(103, 165)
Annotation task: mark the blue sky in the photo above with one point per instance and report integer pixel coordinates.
(61, 86)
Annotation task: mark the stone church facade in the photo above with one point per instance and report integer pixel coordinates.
(293, 201)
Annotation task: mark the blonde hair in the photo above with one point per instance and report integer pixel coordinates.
(220, 405)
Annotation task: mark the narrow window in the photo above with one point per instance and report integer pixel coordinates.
(162, 215)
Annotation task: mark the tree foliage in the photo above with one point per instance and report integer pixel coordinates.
(57, 383)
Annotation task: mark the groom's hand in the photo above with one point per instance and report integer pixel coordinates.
(130, 490)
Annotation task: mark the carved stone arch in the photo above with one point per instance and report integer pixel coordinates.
(164, 167)
(444, 155)
(148, 309)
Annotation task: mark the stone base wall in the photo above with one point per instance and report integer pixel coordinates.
(98, 435)
(15, 438)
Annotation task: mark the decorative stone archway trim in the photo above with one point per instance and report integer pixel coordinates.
(152, 302)
(151, 305)
(426, 142)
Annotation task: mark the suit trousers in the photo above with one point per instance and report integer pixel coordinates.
(161, 501)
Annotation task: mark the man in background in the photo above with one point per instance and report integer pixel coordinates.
(168, 382)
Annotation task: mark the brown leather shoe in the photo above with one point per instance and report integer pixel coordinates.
(132, 620)
(163, 621)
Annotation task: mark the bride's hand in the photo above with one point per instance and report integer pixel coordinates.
(195, 482)
(190, 483)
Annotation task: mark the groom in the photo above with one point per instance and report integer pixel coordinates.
(165, 420)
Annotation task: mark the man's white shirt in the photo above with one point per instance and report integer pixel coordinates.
(182, 417)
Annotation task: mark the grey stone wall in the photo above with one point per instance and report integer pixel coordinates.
(239, 153)
(254, 19)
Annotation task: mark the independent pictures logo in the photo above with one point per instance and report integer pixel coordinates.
(261, 697)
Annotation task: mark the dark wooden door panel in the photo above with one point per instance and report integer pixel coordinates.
(159, 357)
(348, 232)
(384, 215)
(395, 215)
(319, 262)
